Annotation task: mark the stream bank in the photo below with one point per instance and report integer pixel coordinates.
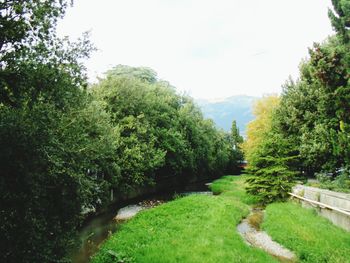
(249, 229)
(99, 227)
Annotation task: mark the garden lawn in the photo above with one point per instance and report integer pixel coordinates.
(196, 228)
(313, 238)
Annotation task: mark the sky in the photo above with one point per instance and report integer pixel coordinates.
(205, 48)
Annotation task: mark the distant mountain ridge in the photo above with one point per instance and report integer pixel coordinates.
(224, 111)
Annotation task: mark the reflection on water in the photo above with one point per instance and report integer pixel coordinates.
(97, 229)
(93, 234)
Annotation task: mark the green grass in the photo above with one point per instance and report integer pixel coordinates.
(313, 238)
(192, 229)
(202, 228)
(329, 186)
(233, 186)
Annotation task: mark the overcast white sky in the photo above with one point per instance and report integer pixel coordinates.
(208, 48)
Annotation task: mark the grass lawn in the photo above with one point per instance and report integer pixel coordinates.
(197, 228)
(311, 237)
(202, 228)
(234, 187)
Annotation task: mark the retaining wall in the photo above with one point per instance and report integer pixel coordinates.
(331, 198)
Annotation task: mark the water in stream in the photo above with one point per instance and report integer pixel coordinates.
(98, 228)
(249, 229)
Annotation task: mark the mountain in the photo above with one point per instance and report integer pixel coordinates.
(224, 111)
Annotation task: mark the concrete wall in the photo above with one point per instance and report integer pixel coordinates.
(335, 199)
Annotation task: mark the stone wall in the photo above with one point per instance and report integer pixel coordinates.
(331, 198)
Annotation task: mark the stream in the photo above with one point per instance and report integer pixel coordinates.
(249, 229)
(98, 228)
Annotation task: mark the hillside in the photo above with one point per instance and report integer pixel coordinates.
(223, 111)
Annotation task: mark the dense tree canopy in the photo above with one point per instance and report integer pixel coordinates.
(57, 145)
(165, 132)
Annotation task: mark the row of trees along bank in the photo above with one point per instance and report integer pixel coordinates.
(64, 146)
(306, 130)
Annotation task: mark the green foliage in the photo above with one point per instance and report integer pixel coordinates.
(144, 74)
(309, 131)
(263, 111)
(237, 139)
(340, 18)
(236, 152)
(162, 134)
(54, 164)
(24, 22)
(271, 169)
(35, 65)
(63, 150)
(311, 237)
(56, 144)
(270, 157)
(50, 73)
(340, 182)
(60, 162)
(313, 111)
(323, 178)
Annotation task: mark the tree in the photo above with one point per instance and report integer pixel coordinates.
(56, 144)
(270, 156)
(236, 156)
(141, 73)
(54, 164)
(35, 64)
(263, 110)
(237, 139)
(133, 104)
(340, 18)
(271, 177)
(51, 72)
(309, 130)
(313, 107)
(23, 23)
(163, 135)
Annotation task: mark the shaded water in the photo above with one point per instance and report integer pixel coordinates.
(98, 228)
(92, 235)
